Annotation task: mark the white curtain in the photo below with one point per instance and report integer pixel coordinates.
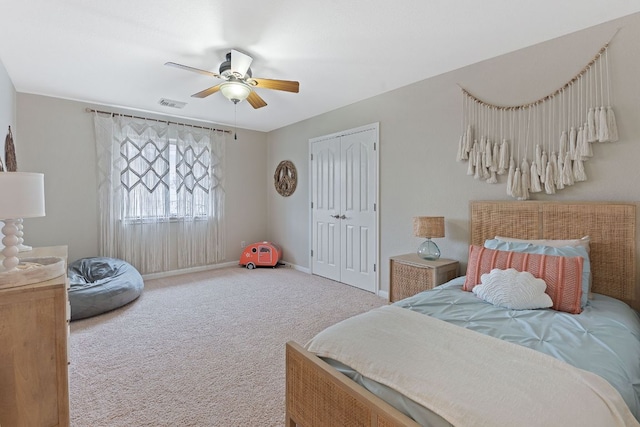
(161, 192)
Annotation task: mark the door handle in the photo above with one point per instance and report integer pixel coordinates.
(342, 217)
(338, 216)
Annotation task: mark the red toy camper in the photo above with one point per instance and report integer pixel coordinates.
(263, 254)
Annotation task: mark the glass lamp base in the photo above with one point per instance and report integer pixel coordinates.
(429, 250)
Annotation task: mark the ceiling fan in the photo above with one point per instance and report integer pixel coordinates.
(238, 82)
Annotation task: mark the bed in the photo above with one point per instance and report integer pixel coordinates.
(318, 393)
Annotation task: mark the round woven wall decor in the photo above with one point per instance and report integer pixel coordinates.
(286, 178)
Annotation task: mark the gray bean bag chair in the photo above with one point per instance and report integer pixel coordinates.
(101, 284)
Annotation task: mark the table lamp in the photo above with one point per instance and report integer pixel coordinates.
(429, 227)
(21, 196)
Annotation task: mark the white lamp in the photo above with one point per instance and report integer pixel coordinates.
(21, 246)
(235, 90)
(21, 196)
(429, 227)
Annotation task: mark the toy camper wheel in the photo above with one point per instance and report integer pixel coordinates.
(251, 266)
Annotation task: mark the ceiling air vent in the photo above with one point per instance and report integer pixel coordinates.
(171, 103)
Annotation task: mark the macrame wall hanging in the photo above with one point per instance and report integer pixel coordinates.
(540, 146)
(10, 153)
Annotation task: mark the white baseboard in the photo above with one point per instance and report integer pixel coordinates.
(296, 267)
(188, 270)
(213, 267)
(382, 294)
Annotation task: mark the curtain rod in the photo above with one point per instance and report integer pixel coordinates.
(91, 110)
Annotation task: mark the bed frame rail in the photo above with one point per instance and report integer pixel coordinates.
(320, 396)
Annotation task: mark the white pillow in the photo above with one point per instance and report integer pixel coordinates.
(513, 289)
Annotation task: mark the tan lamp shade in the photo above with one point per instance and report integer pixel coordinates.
(428, 226)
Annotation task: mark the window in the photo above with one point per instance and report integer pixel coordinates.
(164, 180)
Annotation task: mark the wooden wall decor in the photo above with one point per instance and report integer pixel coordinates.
(286, 178)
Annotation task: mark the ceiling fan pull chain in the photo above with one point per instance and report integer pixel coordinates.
(235, 121)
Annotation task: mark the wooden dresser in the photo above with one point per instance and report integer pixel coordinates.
(34, 328)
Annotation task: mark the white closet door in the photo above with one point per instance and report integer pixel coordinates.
(344, 219)
(325, 169)
(358, 217)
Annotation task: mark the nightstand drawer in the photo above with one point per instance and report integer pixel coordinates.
(411, 274)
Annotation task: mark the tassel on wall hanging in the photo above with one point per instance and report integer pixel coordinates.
(10, 153)
(542, 145)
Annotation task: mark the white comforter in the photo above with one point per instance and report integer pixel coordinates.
(469, 378)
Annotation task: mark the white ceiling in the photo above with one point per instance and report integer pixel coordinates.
(341, 51)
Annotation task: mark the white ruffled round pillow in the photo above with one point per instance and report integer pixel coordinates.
(513, 289)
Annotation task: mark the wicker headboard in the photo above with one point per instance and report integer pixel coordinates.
(611, 226)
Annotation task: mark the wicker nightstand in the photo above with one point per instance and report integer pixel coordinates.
(411, 274)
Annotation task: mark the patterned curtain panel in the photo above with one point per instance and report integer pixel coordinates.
(161, 193)
(199, 196)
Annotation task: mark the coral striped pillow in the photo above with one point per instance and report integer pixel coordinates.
(563, 275)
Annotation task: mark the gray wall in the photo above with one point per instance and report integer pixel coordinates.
(420, 126)
(7, 107)
(7, 115)
(57, 139)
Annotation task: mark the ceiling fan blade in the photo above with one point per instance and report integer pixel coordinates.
(286, 85)
(255, 100)
(240, 62)
(195, 70)
(206, 92)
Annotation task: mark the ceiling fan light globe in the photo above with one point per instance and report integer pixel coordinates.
(235, 91)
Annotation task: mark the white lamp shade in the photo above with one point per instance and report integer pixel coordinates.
(235, 91)
(21, 195)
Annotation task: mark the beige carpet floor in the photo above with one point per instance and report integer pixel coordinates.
(202, 349)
